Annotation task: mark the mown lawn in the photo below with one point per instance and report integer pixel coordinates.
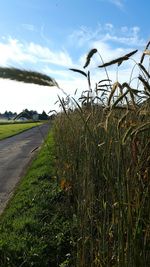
(7, 130)
(35, 227)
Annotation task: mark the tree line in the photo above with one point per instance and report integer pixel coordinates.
(27, 114)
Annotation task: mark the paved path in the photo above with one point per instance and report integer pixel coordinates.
(15, 154)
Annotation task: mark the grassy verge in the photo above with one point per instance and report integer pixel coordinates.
(7, 130)
(35, 229)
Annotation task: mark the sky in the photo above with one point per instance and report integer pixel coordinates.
(51, 36)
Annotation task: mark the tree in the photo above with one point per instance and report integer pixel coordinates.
(43, 116)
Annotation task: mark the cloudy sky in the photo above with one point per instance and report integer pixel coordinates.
(51, 36)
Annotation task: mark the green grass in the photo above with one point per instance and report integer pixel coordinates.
(7, 130)
(35, 227)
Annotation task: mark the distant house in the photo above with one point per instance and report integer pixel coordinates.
(2, 118)
(22, 119)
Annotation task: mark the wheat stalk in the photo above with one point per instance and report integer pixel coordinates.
(27, 76)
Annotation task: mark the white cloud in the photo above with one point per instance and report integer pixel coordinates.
(106, 33)
(12, 51)
(110, 41)
(130, 40)
(17, 96)
(44, 54)
(84, 35)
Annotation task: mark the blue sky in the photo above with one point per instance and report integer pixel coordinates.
(51, 36)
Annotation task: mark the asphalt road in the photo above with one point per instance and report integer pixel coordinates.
(15, 155)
